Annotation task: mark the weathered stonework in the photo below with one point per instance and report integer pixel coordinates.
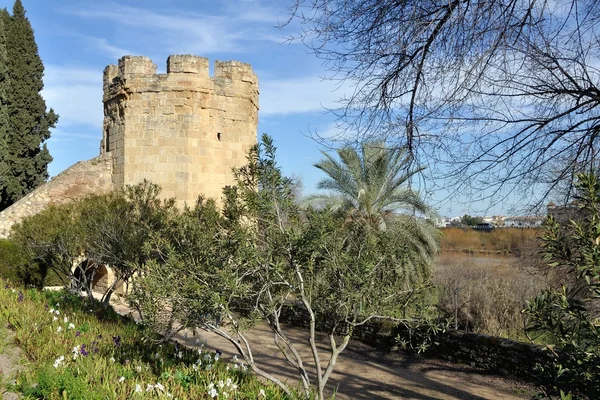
(183, 130)
(79, 180)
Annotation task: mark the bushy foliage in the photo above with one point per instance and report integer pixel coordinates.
(17, 267)
(75, 239)
(469, 220)
(224, 271)
(565, 318)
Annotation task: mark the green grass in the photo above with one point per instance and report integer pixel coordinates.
(76, 349)
(3, 339)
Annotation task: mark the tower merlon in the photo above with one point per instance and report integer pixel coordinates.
(136, 65)
(235, 71)
(110, 73)
(187, 63)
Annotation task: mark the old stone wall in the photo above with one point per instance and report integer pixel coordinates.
(494, 354)
(79, 180)
(183, 130)
(504, 356)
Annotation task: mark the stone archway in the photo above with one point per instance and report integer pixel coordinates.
(101, 282)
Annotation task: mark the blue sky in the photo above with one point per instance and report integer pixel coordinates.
(77, 39)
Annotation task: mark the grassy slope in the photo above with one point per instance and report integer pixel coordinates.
(107, 356)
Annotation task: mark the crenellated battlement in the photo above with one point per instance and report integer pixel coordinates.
(184, 72)
(184, 129)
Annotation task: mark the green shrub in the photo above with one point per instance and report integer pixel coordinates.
(17, 266)
(568, 317)
(12, 260)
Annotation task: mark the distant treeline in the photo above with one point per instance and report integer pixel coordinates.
(506, 241)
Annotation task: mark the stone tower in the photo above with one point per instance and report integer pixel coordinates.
(184, 130)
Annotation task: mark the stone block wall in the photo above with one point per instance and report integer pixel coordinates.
(183, 130)
(497, 355)
(491, 353)
(79, 180)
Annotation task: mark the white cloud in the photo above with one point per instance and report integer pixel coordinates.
(186, 32)
(75, 94)
(334, 131)
(62, 136)
(104, 46)
(299, 95)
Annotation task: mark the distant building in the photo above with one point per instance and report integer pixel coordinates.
(496, 221)
(483, 226)
(523, 222)
(440, 222)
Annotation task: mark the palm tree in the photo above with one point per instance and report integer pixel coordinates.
(369, 185)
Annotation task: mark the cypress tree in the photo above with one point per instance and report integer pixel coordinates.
(3, 106)
(29, 121)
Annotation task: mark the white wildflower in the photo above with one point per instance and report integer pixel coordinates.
(54, 319)
(66, 320)
(112, 359)
(149, 387)
(159, 387)
(221, 384)
(58, 361)
(71, 326)
(262, 393)
(122, 379)
(213, 393)
(59, 329)
(138, 388)
(52, 311)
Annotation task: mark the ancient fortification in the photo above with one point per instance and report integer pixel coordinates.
(184, 130)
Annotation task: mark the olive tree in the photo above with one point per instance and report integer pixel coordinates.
(53, 241)
(76, 239)
(261, 255)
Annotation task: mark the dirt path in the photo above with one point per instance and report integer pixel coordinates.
(9, 363)
(363, 373)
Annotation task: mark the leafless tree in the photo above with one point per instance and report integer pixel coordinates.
(492, 95)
